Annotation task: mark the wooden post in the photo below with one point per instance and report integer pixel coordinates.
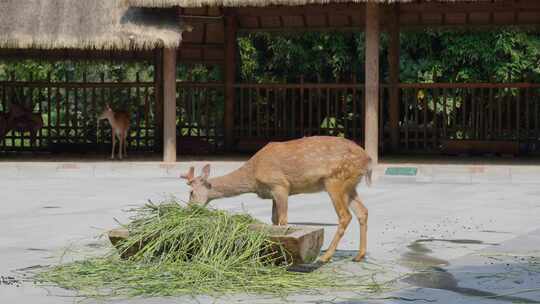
(393, 67)
(158, 93)
(372, 81)
(230, 77)
(169, 105)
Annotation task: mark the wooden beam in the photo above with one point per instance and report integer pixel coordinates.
(372, 81)
(393, 67)
(230, 75)
(302, 29)
(213, 46)
(169, 105)
(312, 9)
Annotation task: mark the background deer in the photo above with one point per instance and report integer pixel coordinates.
(21, 119)
(119, 121)
(307, 165)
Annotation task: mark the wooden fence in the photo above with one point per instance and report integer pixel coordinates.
(69, 111)
(434, 113)
(267, 112)
(430, 114)
(199, 112)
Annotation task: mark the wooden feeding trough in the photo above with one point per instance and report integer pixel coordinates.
(117, 236)
(301, 243)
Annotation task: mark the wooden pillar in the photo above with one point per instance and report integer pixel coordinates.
(372, 81)
(169, 105)
(230, 77)
(158, 93)
(393, 67)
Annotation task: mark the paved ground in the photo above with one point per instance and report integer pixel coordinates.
(474, 227)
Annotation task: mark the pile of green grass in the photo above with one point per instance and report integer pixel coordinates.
(187, 250)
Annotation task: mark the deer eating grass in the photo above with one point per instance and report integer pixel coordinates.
(307, 165)
(119, 122)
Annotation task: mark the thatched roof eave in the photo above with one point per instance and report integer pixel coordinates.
(85, 24)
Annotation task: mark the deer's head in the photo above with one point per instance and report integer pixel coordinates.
(107, 113)
(200, 187)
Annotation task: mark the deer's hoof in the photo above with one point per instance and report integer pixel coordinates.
(112, 157)
(323, 259)
(359, 257)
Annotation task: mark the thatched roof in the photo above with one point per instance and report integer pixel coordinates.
(257, 3)
(85, 24)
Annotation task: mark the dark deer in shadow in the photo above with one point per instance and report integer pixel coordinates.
(20, 119)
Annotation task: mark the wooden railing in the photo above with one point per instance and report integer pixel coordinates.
(69, 111)
(199, 110)
(267, 112)
(431, 114)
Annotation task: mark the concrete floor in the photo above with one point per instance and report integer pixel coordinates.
(475, 222)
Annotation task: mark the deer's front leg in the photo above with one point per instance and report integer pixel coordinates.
(275, 220)
(280, 206)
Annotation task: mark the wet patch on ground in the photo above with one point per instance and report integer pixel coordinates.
(456, 241)
(96, 245)
(418, 256)
(9, 281)
(438, 278)
(494, 231)
(36, 249)
(429, 274)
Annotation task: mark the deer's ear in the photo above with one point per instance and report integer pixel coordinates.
(190, 175)
(205, 172)
(107, 106)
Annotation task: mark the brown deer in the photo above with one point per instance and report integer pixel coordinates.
(21, 119)
(306, 165)
(119, 121)
(3, 125)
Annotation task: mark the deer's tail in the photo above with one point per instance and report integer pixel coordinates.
(369, 172)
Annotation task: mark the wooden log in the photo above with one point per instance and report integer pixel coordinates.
(372, 81)
(117, 237)
(302, 244)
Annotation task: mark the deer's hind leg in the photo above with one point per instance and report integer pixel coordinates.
(337, 190)
(280, 205)
(361, 213)
(113, 138)
(121, 147)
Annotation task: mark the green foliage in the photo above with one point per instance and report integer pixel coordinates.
(269, 57)
(503, 55)
(95, 71)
